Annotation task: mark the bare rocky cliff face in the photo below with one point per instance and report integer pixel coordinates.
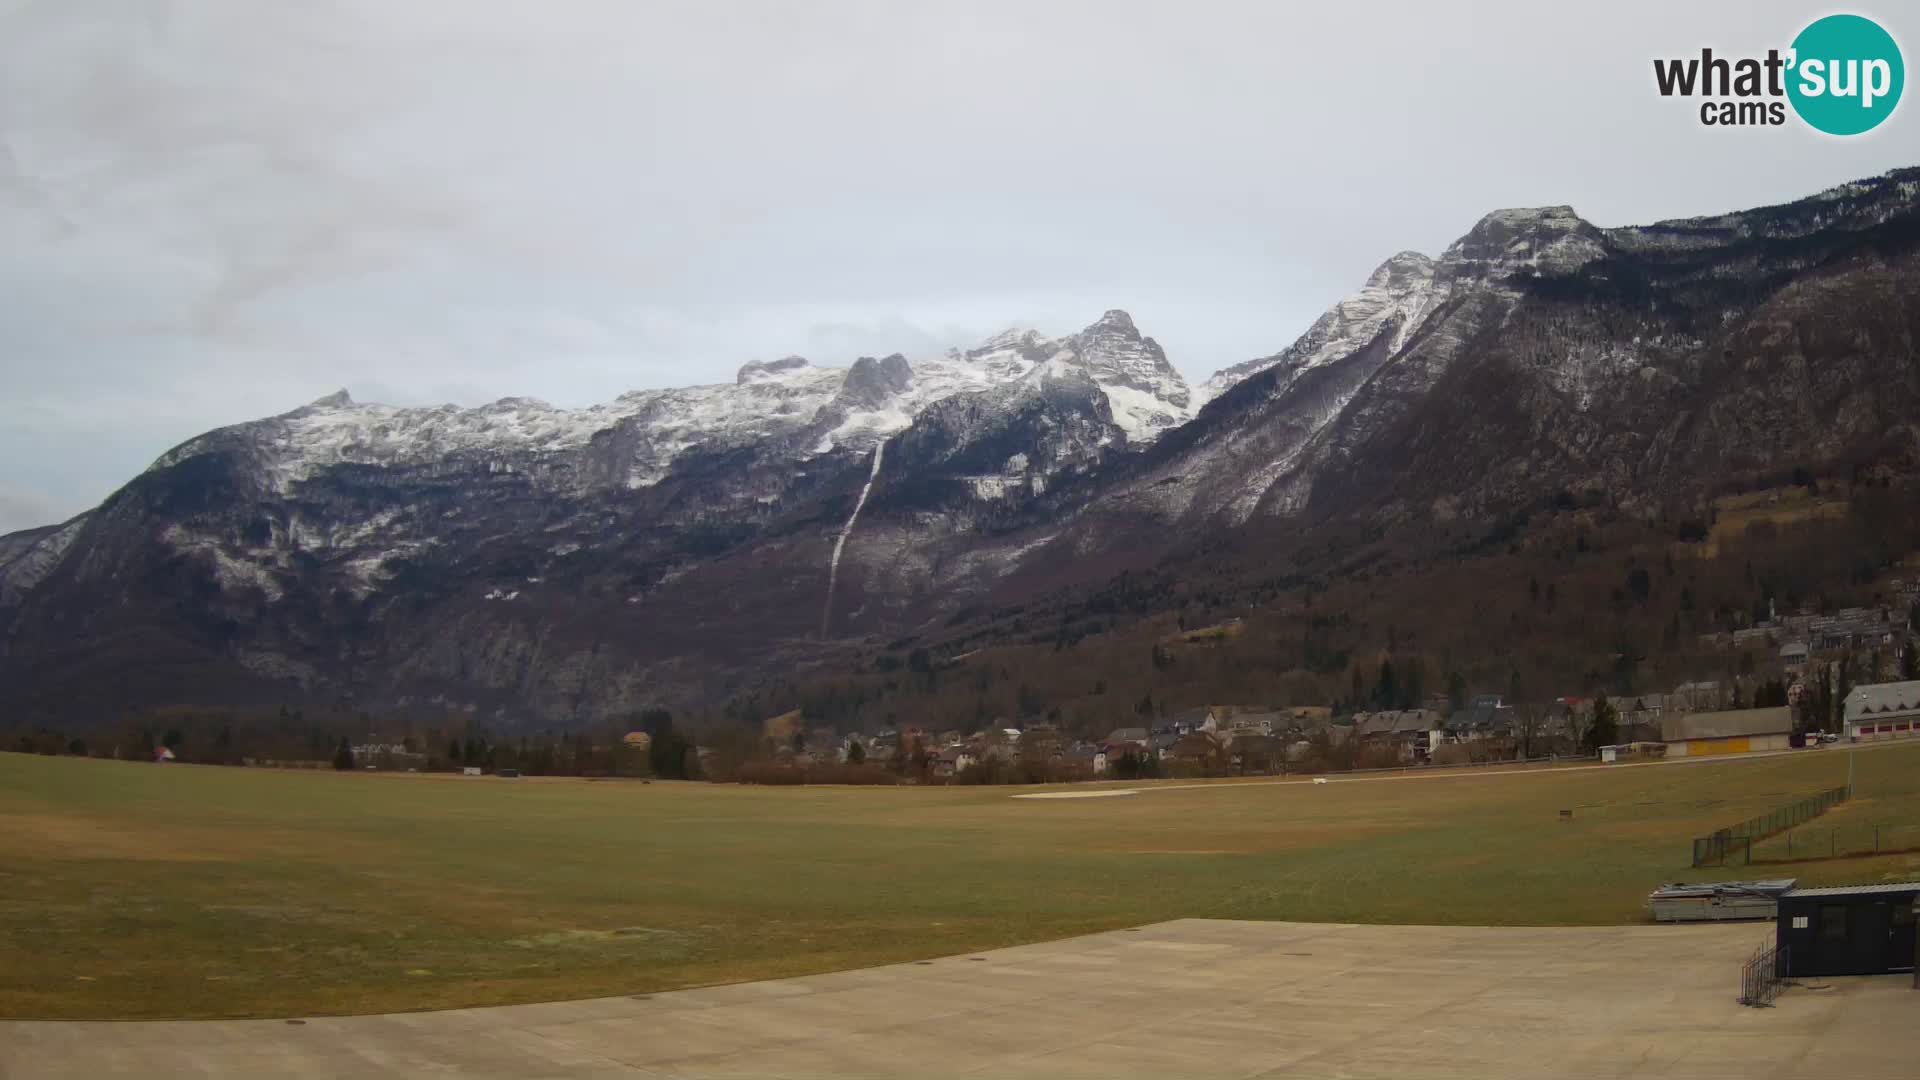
(540, 565)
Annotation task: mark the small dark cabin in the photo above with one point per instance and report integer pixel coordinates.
(1851, 930)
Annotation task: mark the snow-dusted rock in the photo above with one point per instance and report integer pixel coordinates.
(822, 409)
(1399, 293)
(565, 564)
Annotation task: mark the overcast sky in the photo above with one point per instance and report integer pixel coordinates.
(213, 211)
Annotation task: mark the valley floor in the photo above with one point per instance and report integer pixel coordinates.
(136, 891)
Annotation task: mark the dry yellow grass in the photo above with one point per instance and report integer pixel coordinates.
(1779, 507)
(140, 890)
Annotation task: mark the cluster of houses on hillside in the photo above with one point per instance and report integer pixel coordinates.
(1799, 638)
(1219, 738)
(1690, 721)
(1695, 718)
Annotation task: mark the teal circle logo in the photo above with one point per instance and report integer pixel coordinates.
(1846, 76)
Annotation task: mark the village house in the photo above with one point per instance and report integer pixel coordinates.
(1086, 760)
(1412, 732)
(1485, 717)
(994, 750)
(1188, 721)
(1560, 728)
(1198, 750)
(1848, 628)
(385, 755)
(950, 760)
(1853, 627)
(1251, 752)
(1701, 696)
(1261, 722)
(1793, 655)
(1733, 731)
(1639, 717)
(1041, 744)
(1882, 711)
(1302, 735)
(848, 742)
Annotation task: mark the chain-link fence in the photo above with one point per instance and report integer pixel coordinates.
(1714, 849)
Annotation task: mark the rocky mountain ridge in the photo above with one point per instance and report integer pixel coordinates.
(544, 564)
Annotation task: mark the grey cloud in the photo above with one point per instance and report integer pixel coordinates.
(26, 509)
(212, 210)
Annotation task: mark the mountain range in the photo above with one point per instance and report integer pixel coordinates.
(536, 565)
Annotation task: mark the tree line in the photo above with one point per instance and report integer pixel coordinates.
(292, 737)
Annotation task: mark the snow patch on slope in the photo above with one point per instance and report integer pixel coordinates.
(232, 573)
(1401, 288)
(24, 566)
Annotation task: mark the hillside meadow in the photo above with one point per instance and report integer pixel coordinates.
(136, 890)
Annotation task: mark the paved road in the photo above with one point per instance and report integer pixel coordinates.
(1193, 998)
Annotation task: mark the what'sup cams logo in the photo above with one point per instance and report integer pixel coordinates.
(1842, 75)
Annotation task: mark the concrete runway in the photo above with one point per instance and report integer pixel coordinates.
(1192, 998)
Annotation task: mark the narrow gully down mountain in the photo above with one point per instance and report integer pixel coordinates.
(840, 545)
(544, 565)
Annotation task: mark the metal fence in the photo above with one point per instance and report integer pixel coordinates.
(1762, 976)
(1853, 839)
(1712, 850)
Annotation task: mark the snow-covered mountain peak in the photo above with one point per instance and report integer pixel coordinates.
(1408, 287)
(339, 399)
(1147, 395)
(789, 403)
(1144, 392)
(1524, 242)
(1402, 271)
(871, 383)
(1013, 337)
(1561, 217)
(762, 370)
(1399, 293)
